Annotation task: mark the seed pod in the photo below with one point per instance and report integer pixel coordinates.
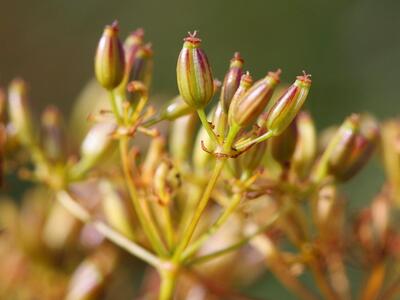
(339, 149)
(288, 105)
(98, 140)
(194, 76)
(181, 138)
(282, 147)
(141, 71)
(343, 145)
(110, 59)
(52, 134)
(97, 145)
(132, 45)
(90, 278)
(246, 81)
(175, 109)
(231, 81)
(306, 145)
(19, 112)
(142, 65)
(245, 110)
(165, 182)
(364, 146)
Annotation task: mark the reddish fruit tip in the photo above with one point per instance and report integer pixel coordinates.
(138, 32)
(115, 25)
(275, 75)
(112, 30)
(192, 38)
(306, 78)
(246, 77)
(236, 57)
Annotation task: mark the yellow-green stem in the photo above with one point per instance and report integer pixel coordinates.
(238, 244)
(214, 227)
(169, 227)
(247, 143)
(219, 165)
(188, 233)
(168, 283)
(114, 107)
(147, 224)
(207, 126)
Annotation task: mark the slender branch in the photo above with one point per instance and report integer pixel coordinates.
(214, 227)
(114, 107)
(169, 227)
(147, 224)
(207, 126)
(75, 209)
(238, 244)
(247, 143)
(168, 283)
(188, 233)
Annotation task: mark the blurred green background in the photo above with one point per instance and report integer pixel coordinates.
(352, 49)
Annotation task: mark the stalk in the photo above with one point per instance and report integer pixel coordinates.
(145, 220)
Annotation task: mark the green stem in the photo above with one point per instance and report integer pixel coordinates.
(238, 244)
(247, 143)
(168, 283)
(207, 193)
(169, 227)
(214, 227)
(188, 233)
(75, 209)
(152, 121)
(148, 226)
(114, 107)
(207, 126)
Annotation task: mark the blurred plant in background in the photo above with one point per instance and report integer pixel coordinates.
(209, 205)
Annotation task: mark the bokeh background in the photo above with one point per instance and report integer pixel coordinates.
(351, 47)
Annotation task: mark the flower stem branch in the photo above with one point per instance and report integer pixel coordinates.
(83, 215)
(214, 227)
(237, 245)
(247, 143)
(148, 226)
(207, 126)
(188, 233)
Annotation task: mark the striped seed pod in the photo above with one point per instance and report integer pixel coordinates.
(110, 59)
(132, 45)
(194, 75)
(231, 81)
(288, 105)
(245, 109)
